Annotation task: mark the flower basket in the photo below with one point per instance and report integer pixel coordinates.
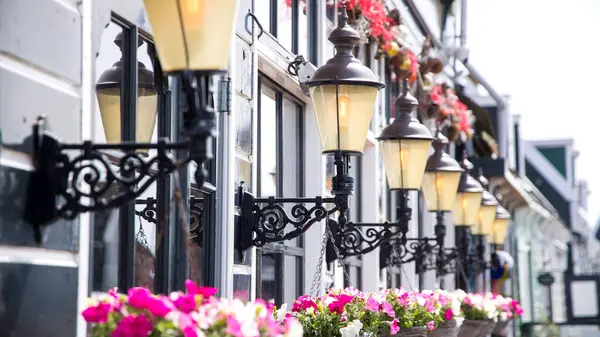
(501, 329)
(487, 328)
(412, 332)
(471, 328)
(447, 329)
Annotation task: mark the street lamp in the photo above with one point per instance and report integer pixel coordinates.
(440, 185)
(192, 38)
(343, 93)
(466, 213)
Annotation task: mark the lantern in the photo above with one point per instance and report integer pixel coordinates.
(500, 226)
(405, 145)
(343, 93)
(192, 34)
(468, 200)
(442, 175)
(108, 93)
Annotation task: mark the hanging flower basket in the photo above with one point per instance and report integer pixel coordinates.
(471, 328)
(487, 328)
(413, 332)
(500, 329)
(449, 328)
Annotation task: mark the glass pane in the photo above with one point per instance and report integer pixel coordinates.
(292, 278)
(241, 286)
(105, 267)
(262, 10)
(200, 207)
(268, 272)
(243, 172)
(268, 143)
(331, 6)
(284, 24)
(303, 28)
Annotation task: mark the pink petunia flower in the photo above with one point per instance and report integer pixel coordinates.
(394, 327)
(388, 309)
(304, 302)
(133, 326)
(448, 314)
(341, 300)
(97, 313)
(431, 325)
(372, 305)
(194, 289)
(185, 303)
(234, 327)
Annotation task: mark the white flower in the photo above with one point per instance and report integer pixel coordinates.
(280, 315)
(352, 329)
(294, 329)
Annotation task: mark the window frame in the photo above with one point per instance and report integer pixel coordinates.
(294, 247)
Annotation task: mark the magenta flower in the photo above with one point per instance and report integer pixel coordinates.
(133, 326)
(448, 314)
(372, 305)
(138, 297)
(233, 327)
(431, 326)
(185, 303)
(394, 328)
(194, 289)
(468, 301)
(341, 300)
(388, 309)
(115, 300)
(303, 303)
(97, 313)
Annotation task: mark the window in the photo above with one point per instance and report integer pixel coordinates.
(287, 21)
(280, 173)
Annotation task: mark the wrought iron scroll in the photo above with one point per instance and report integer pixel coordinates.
(267, 220)
(352, 240)
(150, 214)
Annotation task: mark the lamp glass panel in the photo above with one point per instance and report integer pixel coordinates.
(355, 103)
(439, 189)
(109, 102)
(405, 161)
(192, 34)
(500, 229)
(466, 208)
(487, 215)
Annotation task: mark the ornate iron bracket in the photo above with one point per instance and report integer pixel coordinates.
(265, 220)
(84, 178)
(150, 214)
(351, 240)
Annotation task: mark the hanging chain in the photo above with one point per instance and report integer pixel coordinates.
(338, 255)
(141, 235)
(315, 289)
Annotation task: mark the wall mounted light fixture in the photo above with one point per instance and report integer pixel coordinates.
(344, 93)
(193, 48)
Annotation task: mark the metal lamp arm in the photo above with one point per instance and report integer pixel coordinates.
(352, 241)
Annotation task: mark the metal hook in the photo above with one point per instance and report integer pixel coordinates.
(293, 66)
(255, 19)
